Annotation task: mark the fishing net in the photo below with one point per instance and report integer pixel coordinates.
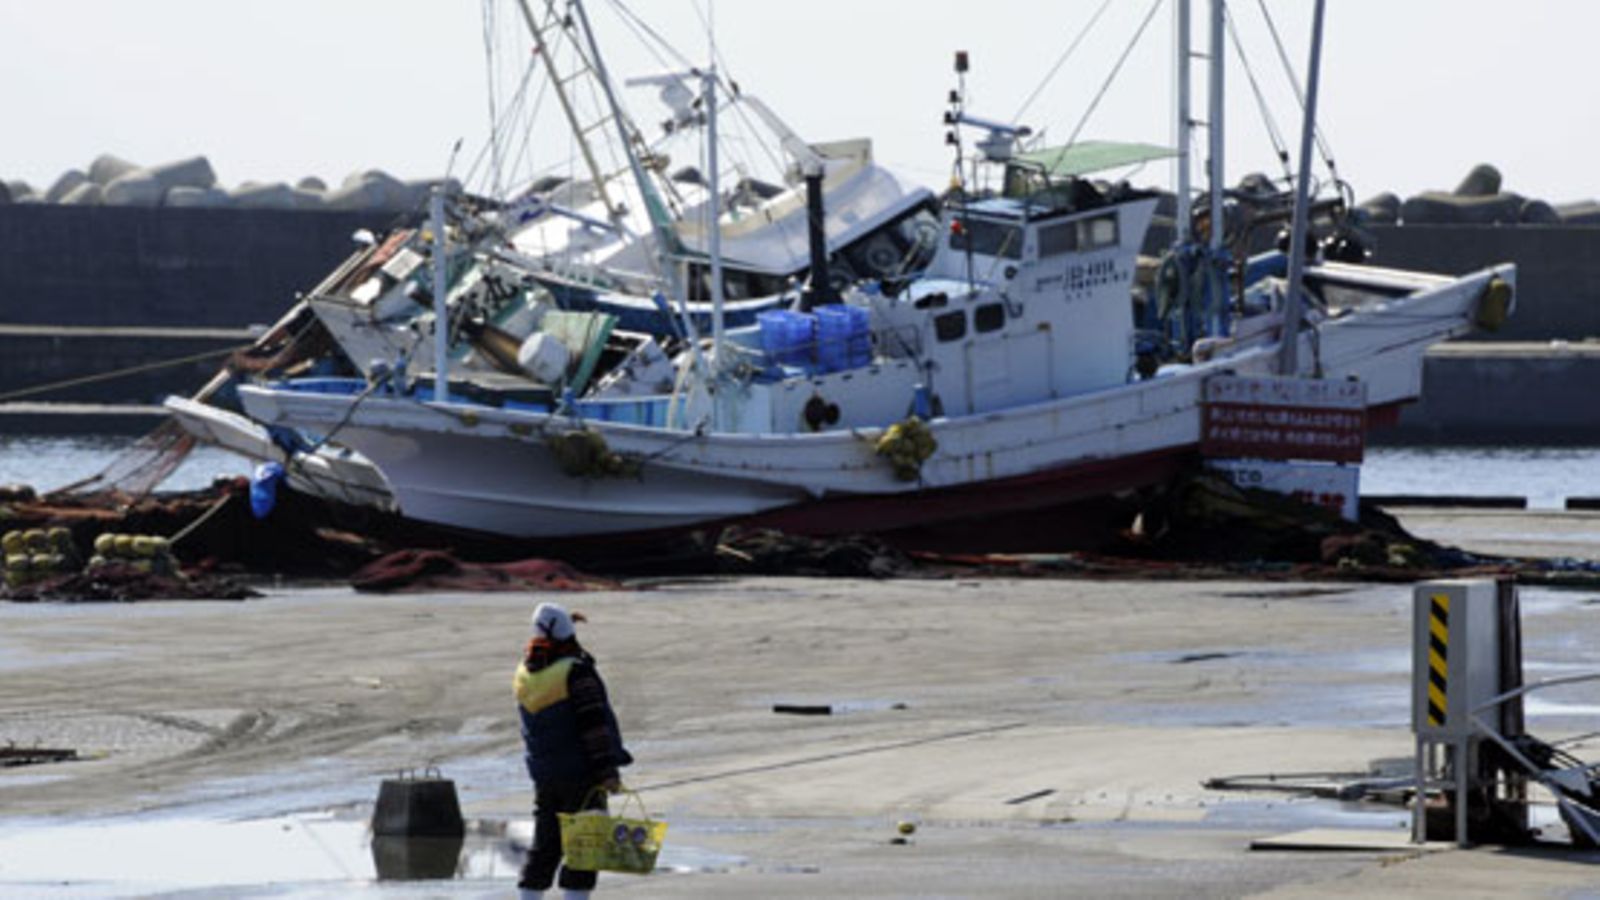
(136, 471)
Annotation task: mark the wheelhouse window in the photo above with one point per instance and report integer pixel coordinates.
(988, 317)
(950, 326)
(1100, 231)
(1055, 240)
(987, 238)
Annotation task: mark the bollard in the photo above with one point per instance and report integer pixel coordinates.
(409, 806)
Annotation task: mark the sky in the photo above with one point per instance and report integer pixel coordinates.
(1415, 92)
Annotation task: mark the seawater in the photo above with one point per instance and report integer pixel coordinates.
(1545, 475)
(50, 462)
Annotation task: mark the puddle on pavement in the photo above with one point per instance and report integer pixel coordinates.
(160, 855)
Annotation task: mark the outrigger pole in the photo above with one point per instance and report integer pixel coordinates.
(1289, 346)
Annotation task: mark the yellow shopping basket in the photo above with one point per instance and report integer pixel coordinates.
(596, 841)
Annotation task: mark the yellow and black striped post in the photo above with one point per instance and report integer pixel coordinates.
(1438, 659)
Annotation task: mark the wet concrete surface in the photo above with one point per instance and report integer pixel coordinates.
(1052, 740)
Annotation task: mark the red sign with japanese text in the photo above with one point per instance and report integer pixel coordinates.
(1283, 418)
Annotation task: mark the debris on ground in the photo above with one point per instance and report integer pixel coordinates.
(121, 582)
(439, 570)
(1198, 527)
(11, 755)
(764, 551)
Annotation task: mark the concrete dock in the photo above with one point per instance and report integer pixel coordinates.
(1047, 738)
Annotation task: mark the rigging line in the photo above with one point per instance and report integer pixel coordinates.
(119, 373)
(1279, 146)
(496, 172)
(1100, 94)
(642, 25)
(647, 41)
(1061, 61)
(531, 119)
(1299, 94)
(502, 122)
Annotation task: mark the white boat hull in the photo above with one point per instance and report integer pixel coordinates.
(491, 470)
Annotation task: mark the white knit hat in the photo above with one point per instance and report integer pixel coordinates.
(551, 620)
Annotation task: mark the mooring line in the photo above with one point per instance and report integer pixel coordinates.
(828, 757)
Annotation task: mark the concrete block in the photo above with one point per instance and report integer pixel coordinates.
(312, 183)
(86, 194)
(357, 197)
(1582, 212)
(5, 193)
(19, 190)
(1482, 181)
(107, 168)
(1437, 208)
(1538, 212)
(306, 199)
(197, 198)
(135, 188)
(1384, 209)
(387, 191)
(64, 185)
(193, 172)
(254, 195)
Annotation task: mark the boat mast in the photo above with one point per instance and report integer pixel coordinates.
(613, 211)
(1289, 346)
(1216, 134)
(441, 310)
(660, 220)
(713, 210)
(1183, 212)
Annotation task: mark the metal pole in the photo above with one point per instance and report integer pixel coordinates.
(666, 239)
(613, 211)
(1289, 346)
(1185, 124)
(1419, 799)
(1219, 11)
(441, 312)
(714, 215)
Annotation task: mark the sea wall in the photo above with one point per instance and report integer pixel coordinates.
(1558, 270)
(1507, 393)
(68, 265)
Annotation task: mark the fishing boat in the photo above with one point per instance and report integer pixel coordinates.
(577, 251)
(1007, 381)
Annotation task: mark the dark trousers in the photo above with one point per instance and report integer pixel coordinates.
(539, 869)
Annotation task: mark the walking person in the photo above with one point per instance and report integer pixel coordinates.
(571, 743)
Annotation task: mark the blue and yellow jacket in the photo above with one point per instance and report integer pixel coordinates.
(569, 733)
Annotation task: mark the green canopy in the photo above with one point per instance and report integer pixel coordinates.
(1085, 157)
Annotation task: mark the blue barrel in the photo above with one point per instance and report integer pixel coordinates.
(859, 350)
(833, 338)
(844, 338)
(787, 336)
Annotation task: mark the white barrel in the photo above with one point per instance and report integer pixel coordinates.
(544, 357)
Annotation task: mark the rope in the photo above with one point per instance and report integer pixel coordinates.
(199, 520)
(1061, 61)
(1100, 95)
(1279, 146)
(118, 373)
(1294, 82)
